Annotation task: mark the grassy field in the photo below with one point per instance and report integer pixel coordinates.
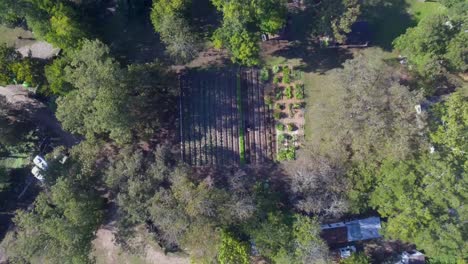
(419, 9)
(14, 163)
(391, 18)
(9, 35)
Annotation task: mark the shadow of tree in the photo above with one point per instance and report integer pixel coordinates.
(388, 19)
(314, 58)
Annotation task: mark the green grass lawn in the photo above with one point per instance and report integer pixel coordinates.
(9, 35)
(14, 163)
(419, 9)
(391, 18)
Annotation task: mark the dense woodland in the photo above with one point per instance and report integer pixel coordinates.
(373, 155)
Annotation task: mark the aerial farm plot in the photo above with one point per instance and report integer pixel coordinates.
(224, 119)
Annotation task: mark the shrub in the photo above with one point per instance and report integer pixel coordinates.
(275, 79)
(297, 106)
(264, 75)
(291, 126)
(275, 69)
(233, 250)
(286, 75)
(282, 138)
(299, 95)
(288, 153)
(280, 127)
(288, 92)
(268, 101)
(279, 94)
(277, 114)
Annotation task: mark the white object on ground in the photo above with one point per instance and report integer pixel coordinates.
(40, 162)
(37, 173)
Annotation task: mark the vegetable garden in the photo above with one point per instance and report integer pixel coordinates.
(224, 119)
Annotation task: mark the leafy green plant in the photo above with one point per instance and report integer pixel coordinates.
(276, 69)
(282, 138)
(280, 126)
(232, 250)
(297, 106)
(264, 75)
(268, 101)
(287, 153)
(277, 114)
(286, 75)
(279, 94)
(288, 92)
(275, 79)
(291, 126)
(299, 91)
(241, 126)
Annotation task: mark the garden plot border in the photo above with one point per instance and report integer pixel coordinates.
(224, 119)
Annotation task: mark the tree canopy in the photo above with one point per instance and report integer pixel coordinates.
(408, 192)
(243, 22)
(170, 20)
(56, 21)
(435, 44)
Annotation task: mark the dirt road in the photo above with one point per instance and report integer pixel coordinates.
(45, 119)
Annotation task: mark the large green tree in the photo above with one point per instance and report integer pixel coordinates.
(424, 198)
(170, 19)
(335, 18)
(99, 104)
(436, 43)
(243, 22)
(374, 116)
(61, 226)
(56, 21)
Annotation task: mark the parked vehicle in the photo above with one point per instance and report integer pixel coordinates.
(40, 162)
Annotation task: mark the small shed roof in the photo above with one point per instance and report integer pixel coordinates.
(363, 229)
(334, 236)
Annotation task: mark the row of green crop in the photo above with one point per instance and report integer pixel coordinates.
(241, 122)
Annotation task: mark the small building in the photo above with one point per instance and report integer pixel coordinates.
(351, 231)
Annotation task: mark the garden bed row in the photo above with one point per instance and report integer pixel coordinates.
(221, 123)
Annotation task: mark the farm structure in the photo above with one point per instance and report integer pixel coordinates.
(224, 119)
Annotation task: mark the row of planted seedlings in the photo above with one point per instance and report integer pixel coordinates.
(287, 100)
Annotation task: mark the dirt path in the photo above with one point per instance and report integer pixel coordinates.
(107, 251)
(21, 99)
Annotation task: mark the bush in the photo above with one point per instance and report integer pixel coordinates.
(297, 106)
(288, 92)
(280, 127)
(288, 153)
(277, 114)
(268, 101)
(291, 127)
(299, 91)
(279, 106)
(279, 94)
(286, 75)
(264, 75)
(275, 79)
(276, 69)
(232, 250)
(282, 138)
